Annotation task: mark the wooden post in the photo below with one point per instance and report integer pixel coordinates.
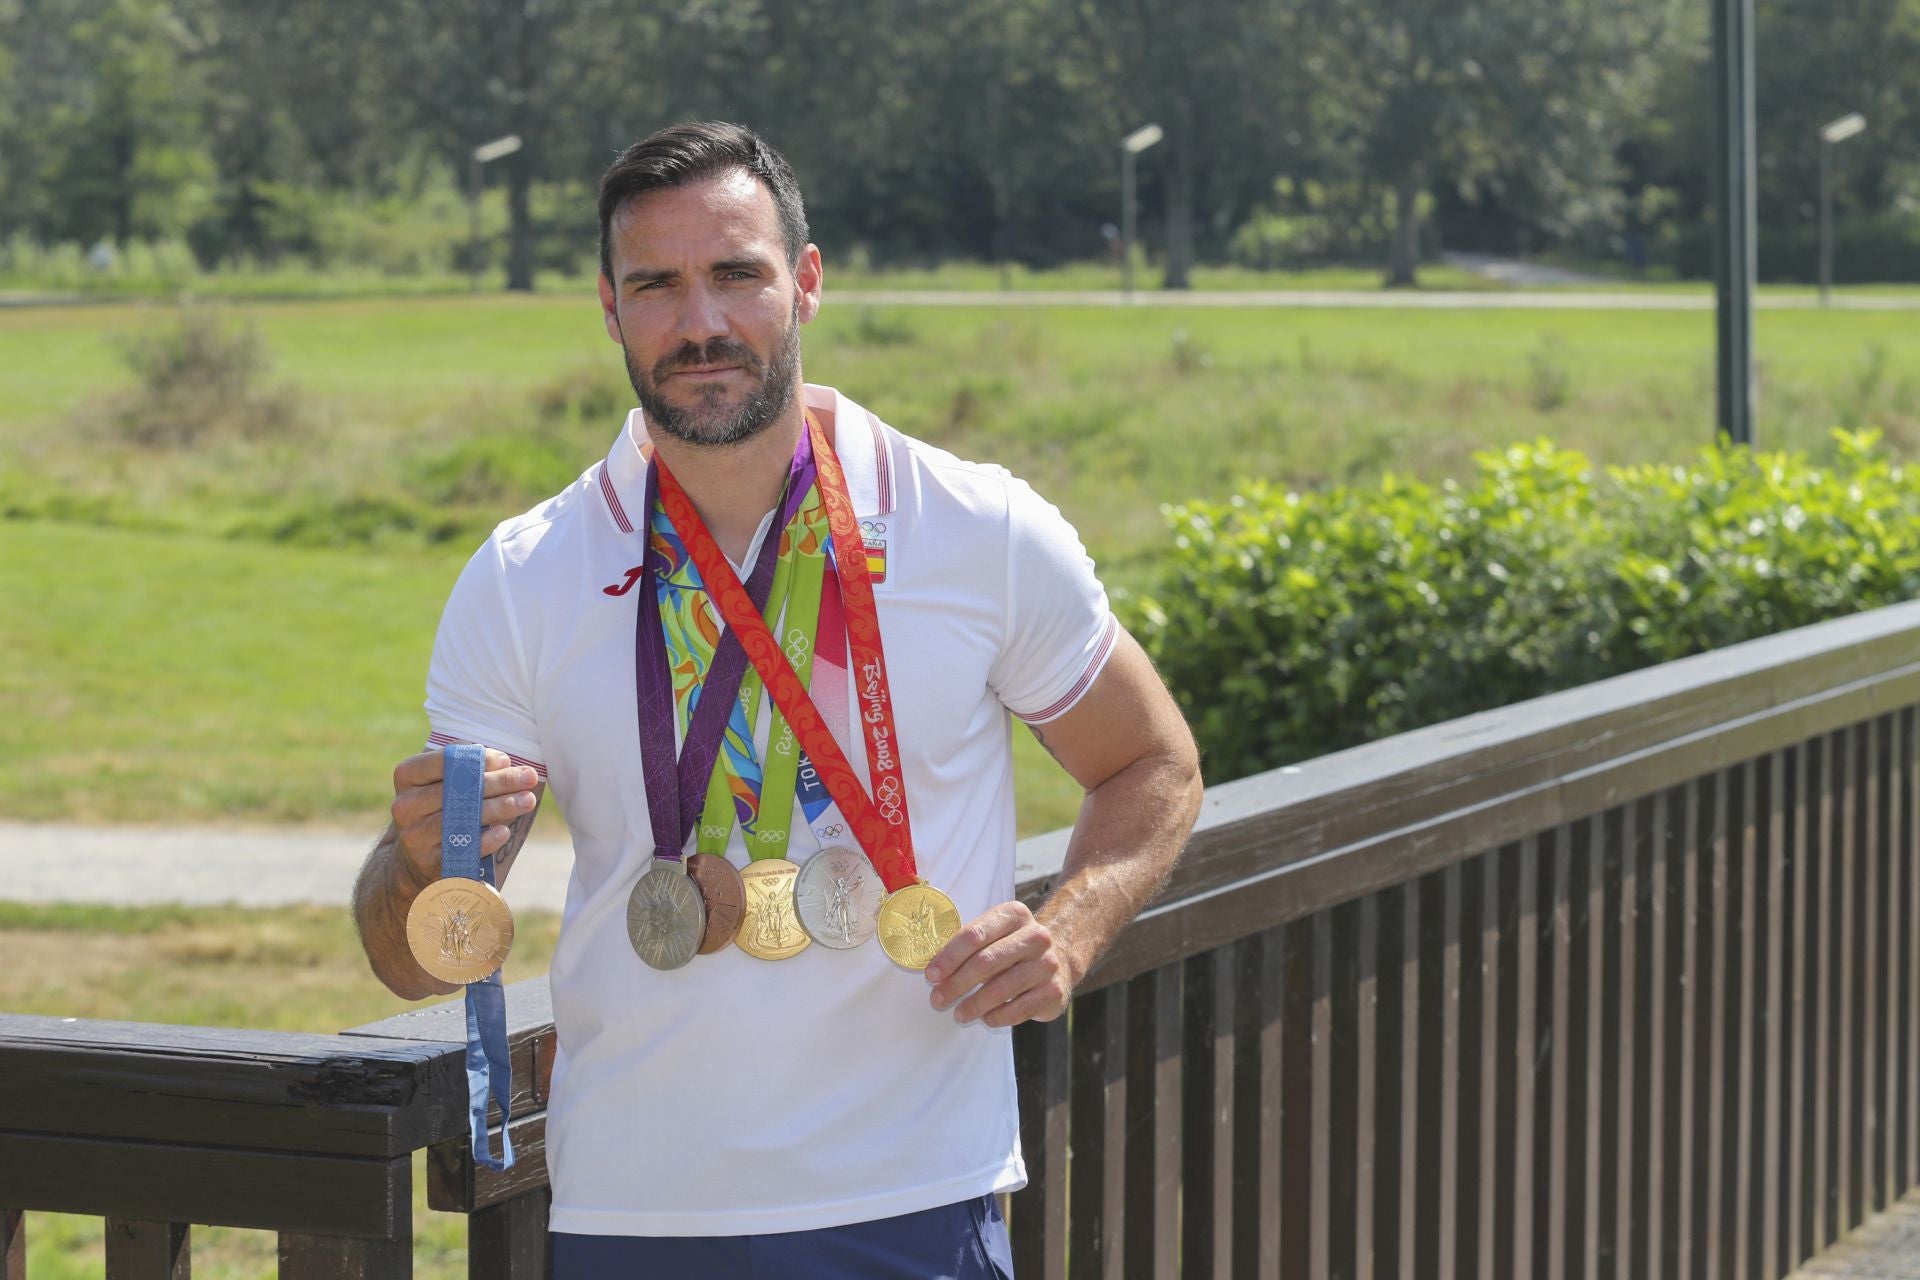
(13, 1244)
(344, 1258)
(148, 1250)
(509, 1241)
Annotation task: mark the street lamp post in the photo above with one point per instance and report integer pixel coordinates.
(1130, 146)
(1735, 229)
(498, 149)
(1830, 133)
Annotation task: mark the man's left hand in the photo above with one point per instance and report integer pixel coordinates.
(1015, 962)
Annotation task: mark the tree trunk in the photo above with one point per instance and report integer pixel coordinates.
(123, 154)
(520, 230)
(1403, 256)
(1179, 210)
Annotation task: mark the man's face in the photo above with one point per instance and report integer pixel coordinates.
(707, 307)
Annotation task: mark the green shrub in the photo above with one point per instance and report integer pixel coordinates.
(586, 393)
(875, 327)
(1866, 248)
(1190, 355)
(197, 377)
(504, 471)
(370, 517)
(1292, 625)
(1549, 382)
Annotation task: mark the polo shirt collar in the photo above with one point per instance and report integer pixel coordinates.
(859, 439)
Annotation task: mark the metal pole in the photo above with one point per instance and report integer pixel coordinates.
(473, 221)
(1826, 222)
(1126, 223)
(1735, 257)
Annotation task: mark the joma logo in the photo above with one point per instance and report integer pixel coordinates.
(621, 588)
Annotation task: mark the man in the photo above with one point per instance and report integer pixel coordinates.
(831, 1114)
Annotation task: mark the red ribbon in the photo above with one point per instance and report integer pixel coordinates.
(880, 824)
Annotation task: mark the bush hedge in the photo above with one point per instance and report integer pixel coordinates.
(1290, 625)
(1867, 249)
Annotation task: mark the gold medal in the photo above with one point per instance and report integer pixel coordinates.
(915, 923)
(459, 930)
(771, 930)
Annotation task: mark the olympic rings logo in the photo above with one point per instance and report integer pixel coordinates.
(832, 831)
(460, 841)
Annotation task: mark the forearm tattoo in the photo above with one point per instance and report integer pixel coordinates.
(516, 836)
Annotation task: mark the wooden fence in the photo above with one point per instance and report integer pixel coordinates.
(1621, 982)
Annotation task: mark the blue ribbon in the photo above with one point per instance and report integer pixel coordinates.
(489, 1073)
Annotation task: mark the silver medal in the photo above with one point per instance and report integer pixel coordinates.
(665, 916)
(838, 898)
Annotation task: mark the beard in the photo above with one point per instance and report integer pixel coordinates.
(712, 420)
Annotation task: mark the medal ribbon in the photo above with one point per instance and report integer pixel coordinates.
(772, 831)
(675, 786)
(881, 823)
(738, 786)
(828, 687)
(489, 1071)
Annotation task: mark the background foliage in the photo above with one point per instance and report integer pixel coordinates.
(248, 132)
(1290, 624)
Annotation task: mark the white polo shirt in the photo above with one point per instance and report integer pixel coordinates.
(739, 1096)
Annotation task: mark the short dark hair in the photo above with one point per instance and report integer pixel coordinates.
(683, 153)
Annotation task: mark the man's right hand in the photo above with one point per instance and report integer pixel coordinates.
(407, 857)
(512, 792)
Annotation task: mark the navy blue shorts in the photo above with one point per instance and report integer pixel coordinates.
(965, 1241)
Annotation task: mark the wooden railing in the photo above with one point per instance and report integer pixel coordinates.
(1620, 982)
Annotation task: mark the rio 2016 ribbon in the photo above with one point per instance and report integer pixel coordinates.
(489, 1071)
(795, 610)
(676, 788)
(881, 823)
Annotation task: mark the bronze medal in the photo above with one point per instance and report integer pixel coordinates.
(665, 916)
(724, 895)
(459, 930)
(771, 928)
(837, 898)
(915, 922)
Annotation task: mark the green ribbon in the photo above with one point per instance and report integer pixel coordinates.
(798, 583)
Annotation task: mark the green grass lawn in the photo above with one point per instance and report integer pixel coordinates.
(293, 280)
(176, 651)
(171, 677)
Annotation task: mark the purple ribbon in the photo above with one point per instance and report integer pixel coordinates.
(676, 790)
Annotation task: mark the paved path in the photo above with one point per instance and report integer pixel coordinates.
(127, 866)
(1626, 299)
(1519, 272)
(1884, 1247)
(1385, 299)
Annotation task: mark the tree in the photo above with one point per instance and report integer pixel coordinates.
(1215, 77)
(560, 75)
(1533, 94)
(105, 137)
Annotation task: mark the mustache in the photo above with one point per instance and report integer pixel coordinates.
(690, 355)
